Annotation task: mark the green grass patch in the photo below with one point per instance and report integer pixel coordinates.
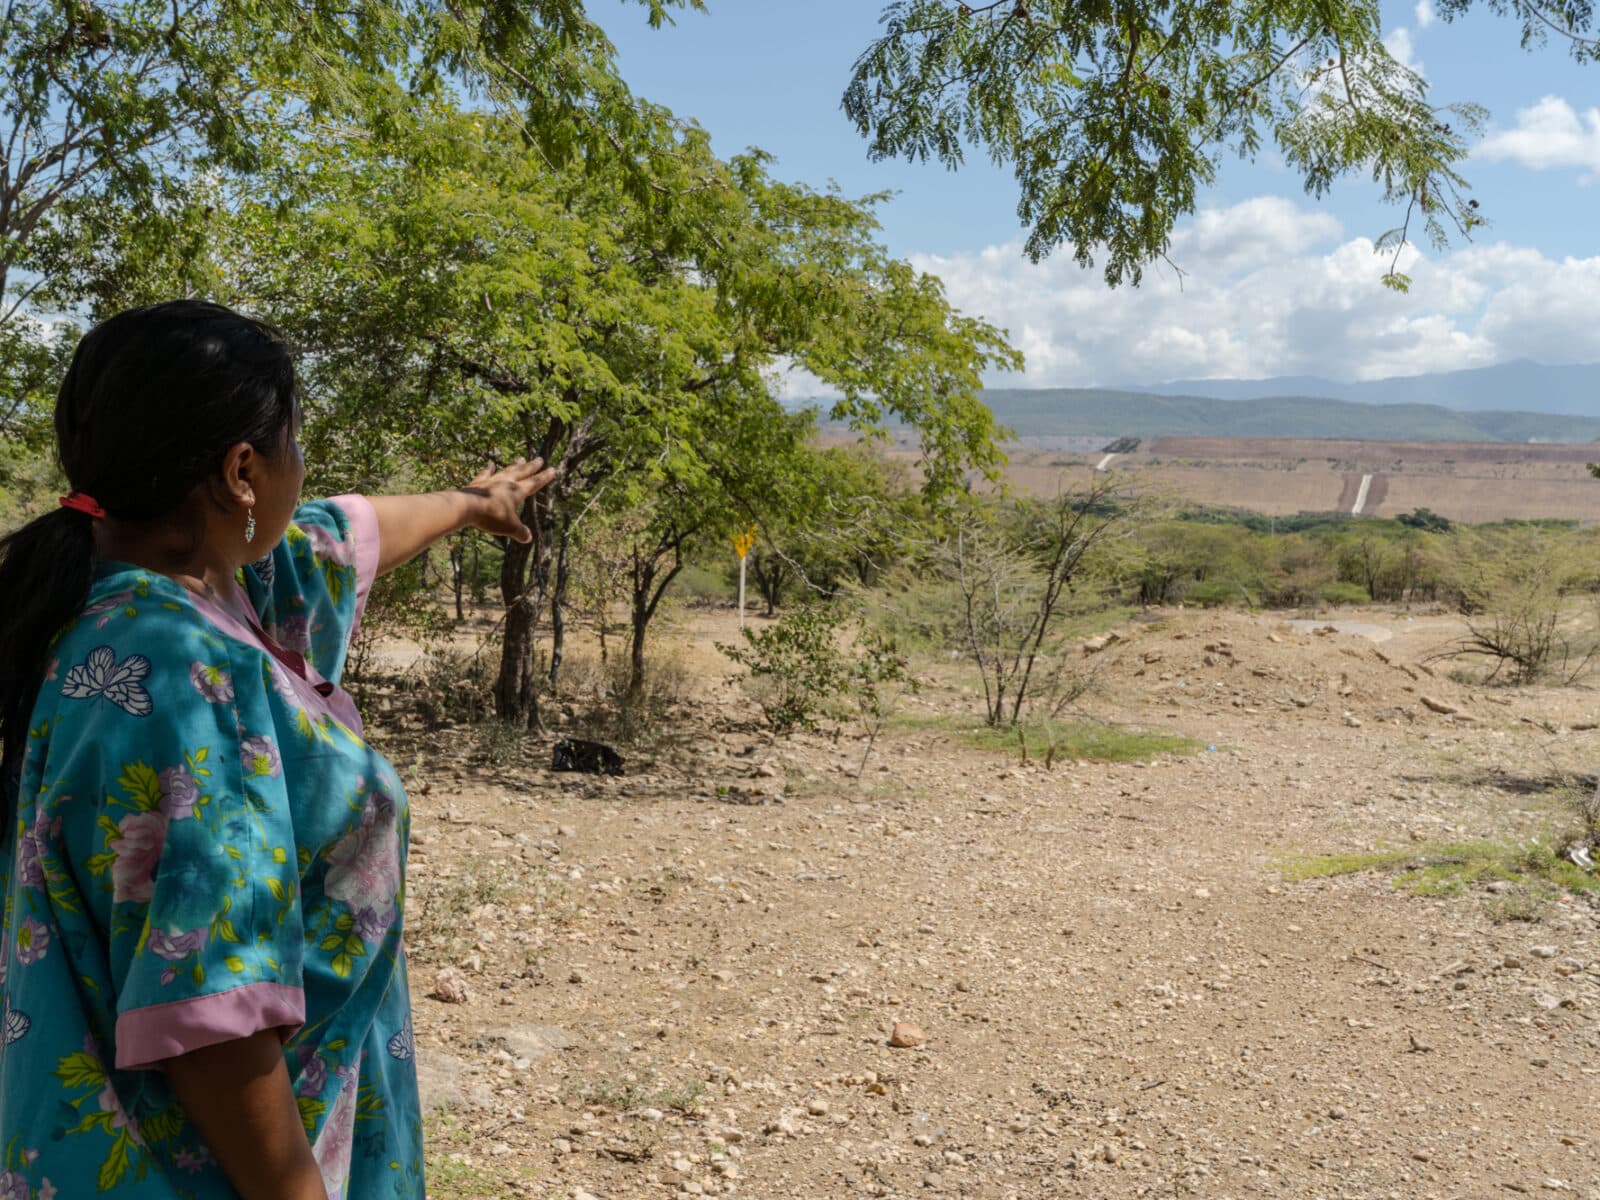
(1051, 741)
(1326, 866)
(1453, 868)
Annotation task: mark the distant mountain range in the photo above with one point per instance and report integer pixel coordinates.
(1520, 386)
(1101, 412)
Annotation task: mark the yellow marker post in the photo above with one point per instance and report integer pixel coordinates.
(742, 542)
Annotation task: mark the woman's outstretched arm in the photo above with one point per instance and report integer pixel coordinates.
(408, 525)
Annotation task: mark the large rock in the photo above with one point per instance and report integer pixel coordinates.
(441, 1079)
(905, 1035)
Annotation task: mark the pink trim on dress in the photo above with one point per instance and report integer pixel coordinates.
(363, 520)
(312, 692)
(146, 1037)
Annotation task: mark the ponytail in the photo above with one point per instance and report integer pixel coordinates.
(46, 568)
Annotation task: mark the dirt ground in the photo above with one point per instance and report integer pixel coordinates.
(1122, 992)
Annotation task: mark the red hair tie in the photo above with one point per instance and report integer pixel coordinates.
(84, 503)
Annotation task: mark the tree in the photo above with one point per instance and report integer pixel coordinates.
(1112, 116)
(838, 518)
(1172, 557)
(466, 301)
(119, 117)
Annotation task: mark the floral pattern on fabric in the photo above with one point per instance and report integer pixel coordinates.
(205, 848)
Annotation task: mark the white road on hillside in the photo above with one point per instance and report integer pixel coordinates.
(1361, 496)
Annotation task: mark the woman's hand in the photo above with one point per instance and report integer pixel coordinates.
(502, 494)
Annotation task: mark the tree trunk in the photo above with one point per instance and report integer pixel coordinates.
(769, 580)
(649, 586)
(458, 572)
(641, 625)
(525, 589)
(516, 696)
(558, 602)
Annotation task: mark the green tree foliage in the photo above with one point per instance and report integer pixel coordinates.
(467, 301)
(1112, 117)
(839, 519)
(1425, 518)
(117, 118)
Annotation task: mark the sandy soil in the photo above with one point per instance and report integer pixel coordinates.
(1122, 994)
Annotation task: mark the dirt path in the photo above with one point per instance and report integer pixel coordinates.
(1122, 994)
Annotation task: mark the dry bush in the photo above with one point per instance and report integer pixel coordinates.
(451, 686)
(604, 706)
(1518, 588)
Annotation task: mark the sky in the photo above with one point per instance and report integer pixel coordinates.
(1274, 281)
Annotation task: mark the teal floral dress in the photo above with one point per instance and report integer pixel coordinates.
(205, 848)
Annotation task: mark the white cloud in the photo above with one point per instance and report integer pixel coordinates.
(1424, 14)
(1550, 134)
(1272, 288)
(1402, 50)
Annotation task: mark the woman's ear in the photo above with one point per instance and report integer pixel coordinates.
(238, 475)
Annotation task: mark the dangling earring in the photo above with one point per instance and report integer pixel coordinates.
(250, 527)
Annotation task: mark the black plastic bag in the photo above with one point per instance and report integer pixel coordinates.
(574, 754)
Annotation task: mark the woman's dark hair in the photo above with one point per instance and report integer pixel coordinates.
(152, 402)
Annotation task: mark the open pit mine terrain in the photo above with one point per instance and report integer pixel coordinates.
(1465, 481)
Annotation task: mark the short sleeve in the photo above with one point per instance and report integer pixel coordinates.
(311, 590)
(193, 858)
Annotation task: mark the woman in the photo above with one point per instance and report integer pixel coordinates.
(203, 862)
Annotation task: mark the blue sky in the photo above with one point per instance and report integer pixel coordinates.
(1277, 283)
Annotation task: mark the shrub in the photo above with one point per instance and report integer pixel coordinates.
(1517, 585)
(801, 673)
(704, 587)
(1340, 592)
(878, 677)
(1215, 593)
(798, 663)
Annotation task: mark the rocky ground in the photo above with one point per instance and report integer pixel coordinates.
(1106, 982)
